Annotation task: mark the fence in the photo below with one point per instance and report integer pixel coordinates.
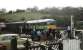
(42, 47)
(49, 45)
(65, 45)
(71, 44)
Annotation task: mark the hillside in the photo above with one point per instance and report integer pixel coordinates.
(23, 15)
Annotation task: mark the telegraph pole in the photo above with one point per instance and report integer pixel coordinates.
(72, 26)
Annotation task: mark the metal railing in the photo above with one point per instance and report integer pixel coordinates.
(49, 45)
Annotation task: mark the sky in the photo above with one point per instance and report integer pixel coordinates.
(23, 4)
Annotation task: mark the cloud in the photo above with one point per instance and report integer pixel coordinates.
(23, 4)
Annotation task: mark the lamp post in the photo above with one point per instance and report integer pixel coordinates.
(22, 27)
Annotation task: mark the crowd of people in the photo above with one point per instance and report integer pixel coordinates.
(49, 34)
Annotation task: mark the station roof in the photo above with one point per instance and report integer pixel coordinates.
(34, 21)
(41, 21)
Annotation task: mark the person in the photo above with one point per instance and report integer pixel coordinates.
(80, 36)
(51, 34)
(50, 47)
(27, 44)
(58, 35)
(14, 43)
(34, 34)
(63, 35)
(60, 46)
(38, 34)
(42, 47)
(44, 34)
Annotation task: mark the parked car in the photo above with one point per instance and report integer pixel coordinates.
(2, 47)
(5, 39)
(24, 36)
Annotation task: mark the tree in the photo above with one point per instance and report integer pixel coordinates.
(80, 14)
(35, 8)
(3, 10)
(19, 10)
(10, 12)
